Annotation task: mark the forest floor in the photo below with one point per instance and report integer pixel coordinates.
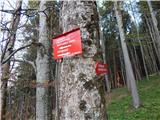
(119, 102)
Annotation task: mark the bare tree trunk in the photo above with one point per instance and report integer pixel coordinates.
(137, 61)
(122, 68)
(154, 20)
(129, 70)
(143, 55)
(151, 31)
(43, 74)
(114, 69)
(8, 50)
(149, 23)
(134, 62)
(152, 56)
(102, 43)
(81, 91)
(140, 43)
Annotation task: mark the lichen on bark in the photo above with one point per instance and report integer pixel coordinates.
(80, 98)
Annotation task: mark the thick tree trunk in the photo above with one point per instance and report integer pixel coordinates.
(43, 66)
(81, 91)
(6, 67)
(129, 70)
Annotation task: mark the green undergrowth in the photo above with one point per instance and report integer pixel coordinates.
(119, 102)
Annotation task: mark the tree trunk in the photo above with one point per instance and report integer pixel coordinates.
(153, 57)
(153, 36)
(8, 50)
(43, 74)
(81, 91)
(140, 43)
(102, 43)
(135, 62)
(128, 67)
(154, 20)
(143, 55)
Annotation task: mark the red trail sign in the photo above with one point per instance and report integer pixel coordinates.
(101, 68)
(67, 44)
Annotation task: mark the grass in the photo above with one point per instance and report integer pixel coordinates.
(119, 102)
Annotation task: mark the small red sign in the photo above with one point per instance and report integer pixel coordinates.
(67, 44)
(101, 68)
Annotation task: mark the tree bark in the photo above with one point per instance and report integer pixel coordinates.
(128, 67)
(8, 50)
(43, 74)
(81, 91)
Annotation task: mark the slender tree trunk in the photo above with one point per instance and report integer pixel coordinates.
(6, 67)
(122, 68)
(102, 43)
(134, 62)
(155, 51)
(114, 69)
(141, 46)
(121, 58)
(43, 74)
(143, 55)
(151, 31)
(154, 20)
(129, 70)
(152, 56)
(81, 91)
